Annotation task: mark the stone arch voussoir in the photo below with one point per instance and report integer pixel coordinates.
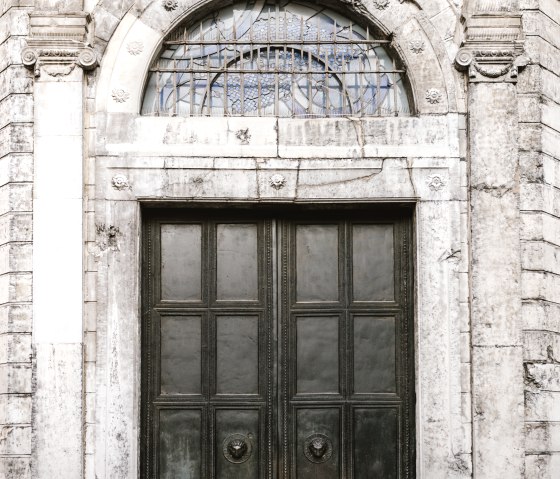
(128, 35)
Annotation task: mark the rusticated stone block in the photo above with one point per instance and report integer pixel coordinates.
(15, 287)
(16, 138)
(16, 168)
(16, 109)
(16, 227)
(15, 80)
(15, 378)
(15, 409)
(15, 257)
(15, 348)
(15, 468)
(15, 318)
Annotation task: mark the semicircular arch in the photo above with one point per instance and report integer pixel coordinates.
(138, 38)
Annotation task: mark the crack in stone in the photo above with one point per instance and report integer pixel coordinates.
(342, 182)
(409, 171)
(495, 191)
(451, 255)
(360, 136)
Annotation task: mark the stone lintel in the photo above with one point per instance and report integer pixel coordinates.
(58, 42)
(492, 50)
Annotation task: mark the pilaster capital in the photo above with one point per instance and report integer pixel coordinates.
(58, 42)
(492, 50)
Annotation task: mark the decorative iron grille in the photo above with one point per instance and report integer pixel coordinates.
(275, 58)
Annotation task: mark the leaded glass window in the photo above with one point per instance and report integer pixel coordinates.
(275, 58)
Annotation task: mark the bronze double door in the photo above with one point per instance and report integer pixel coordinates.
(277, 346)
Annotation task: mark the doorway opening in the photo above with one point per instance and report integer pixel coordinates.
(277, 344)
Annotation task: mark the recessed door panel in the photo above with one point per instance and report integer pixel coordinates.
(318, 448)
(373, 262)
(277, 347)
(317, 263)
(179, 444)
(317, 354)
(181, 262)
(376, 443)
(181, 344)
(237, 446)
(237, 262)
(375, 366)
(237, 354)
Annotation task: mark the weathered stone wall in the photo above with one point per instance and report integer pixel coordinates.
(135, 160)
(487, 232)
(539, 117)
(16, 183)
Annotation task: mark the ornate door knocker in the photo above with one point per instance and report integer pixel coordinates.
(318, 448)
(237, 448)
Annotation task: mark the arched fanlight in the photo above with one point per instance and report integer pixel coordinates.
(274, 58)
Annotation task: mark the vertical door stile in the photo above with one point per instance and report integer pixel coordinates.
(285, 293)
(271, 242)
(348, 360)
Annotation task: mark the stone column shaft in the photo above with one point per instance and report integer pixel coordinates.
(492, 55)
(497, 360)
(57, 48)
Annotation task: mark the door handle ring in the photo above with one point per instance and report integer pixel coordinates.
(318, 448)
(237, 448)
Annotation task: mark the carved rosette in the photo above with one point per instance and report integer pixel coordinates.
(435, 182)
(433, 96)
(120, 95)
(120, 182)
(417, 46)
(170, 5)
(381, 4)
(135, 48)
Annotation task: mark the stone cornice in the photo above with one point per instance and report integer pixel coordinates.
(492, 50)
(58, 42)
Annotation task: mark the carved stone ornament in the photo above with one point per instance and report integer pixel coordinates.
(170, 4)
(120, 182)
(433, 95)
(120, 95)
(417, 46)
(277, 181)
(317, 448)
(435, 182)
(135, 48)
(237, 448)
(493, 48)
(490, 64)
(359, 7)
(381, 4)
(57, 43)
(243, 136)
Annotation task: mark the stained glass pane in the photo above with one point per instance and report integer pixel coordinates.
(272, 58)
